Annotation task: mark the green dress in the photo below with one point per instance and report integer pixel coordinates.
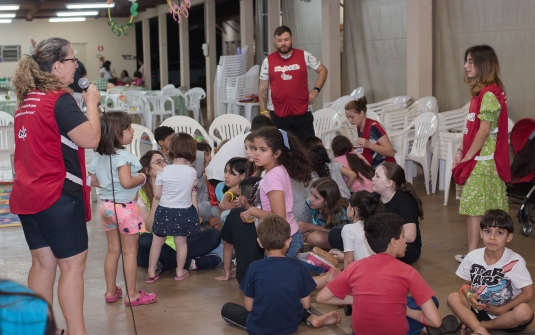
(484, 189)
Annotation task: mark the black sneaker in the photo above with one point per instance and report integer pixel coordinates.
(210, 261)
(159, 268)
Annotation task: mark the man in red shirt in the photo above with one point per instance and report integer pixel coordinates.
(379, 284)
(284, 94)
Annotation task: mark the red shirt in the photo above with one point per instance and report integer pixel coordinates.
(288, 82)
(379, 285)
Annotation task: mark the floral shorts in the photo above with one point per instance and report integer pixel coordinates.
(130, 220)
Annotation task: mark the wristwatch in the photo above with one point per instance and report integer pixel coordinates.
(317, 89)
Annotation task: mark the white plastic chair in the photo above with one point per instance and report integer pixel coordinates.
(135, 146)
(228, 126)
(358, 92)
(136, 104)
(372, 115)
(418, 132)
(7, 143)
(193, 102)
(339, 104)
(115, 91)
(326, 124)
(156, 107)
(79, 101)
(6, 119)
(172, 92)
(450, 126)
(394, 103)
(168, 86)
(185, 124)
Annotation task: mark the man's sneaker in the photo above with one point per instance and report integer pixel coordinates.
(159, 268)
(210, 261)
(459, 258)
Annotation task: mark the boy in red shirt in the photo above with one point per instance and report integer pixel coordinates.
(379, 284)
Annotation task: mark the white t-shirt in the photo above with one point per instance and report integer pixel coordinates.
(312, 63)
(107, 74)
(177, 182)
(233, 148)
(496, 284)
(355, 240)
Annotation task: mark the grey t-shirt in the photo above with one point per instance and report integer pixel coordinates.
(336, 175)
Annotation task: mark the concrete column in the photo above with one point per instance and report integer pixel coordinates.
(162, 38)
(330, 48)
(209, 27)
(247, 28)
(273, 22)
(183, 39)
(419, 48)
(146, 53)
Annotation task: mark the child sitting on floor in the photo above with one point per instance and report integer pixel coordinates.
(240, 235)
(497, 286)
(277, 289)
(379, 285)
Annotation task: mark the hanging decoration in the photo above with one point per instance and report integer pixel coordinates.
(178, 11)
(125, 28)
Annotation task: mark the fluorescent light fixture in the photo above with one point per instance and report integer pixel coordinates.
(89, 5)
(5, 20)
(81, 13)
(9, 7)
(67, 19)
(7, 16)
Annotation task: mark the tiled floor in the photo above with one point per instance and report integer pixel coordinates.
(193, 306)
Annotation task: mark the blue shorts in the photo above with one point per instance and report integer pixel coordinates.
(415, 326)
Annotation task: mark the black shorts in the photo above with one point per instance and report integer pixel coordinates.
(61, 227)
(484, 316)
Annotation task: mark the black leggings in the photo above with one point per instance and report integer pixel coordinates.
(237, 314)
(412, 254)
(199, 245)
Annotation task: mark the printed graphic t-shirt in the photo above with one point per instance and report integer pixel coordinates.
(496, 284)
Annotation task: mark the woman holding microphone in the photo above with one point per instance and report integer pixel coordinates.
(50, 192)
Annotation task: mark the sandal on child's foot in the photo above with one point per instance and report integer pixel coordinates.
(150, 280)
(143, 299)
(115, 297)
(182, 277)
(450, 325)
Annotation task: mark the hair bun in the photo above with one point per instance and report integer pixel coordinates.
(362, 100)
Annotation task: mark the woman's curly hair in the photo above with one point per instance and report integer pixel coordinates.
(35, 72)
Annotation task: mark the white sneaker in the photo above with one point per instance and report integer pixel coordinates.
(459, 258)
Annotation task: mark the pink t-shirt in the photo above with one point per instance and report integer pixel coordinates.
(379, 285)
(278, 179)
(357, 185)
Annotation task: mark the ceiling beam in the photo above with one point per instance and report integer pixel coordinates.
(35, 8)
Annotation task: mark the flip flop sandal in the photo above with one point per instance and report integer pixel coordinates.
(115, 297)
(450, 325)
(149, 280)
(183, 277)
(144, 299)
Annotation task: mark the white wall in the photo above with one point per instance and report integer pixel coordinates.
(92, 33)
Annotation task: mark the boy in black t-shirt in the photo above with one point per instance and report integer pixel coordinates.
(162, 136)
(277, 289)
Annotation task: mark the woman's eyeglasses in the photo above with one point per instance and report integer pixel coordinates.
(74, 59)
(159, 162)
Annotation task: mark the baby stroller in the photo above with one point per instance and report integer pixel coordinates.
(522, 185)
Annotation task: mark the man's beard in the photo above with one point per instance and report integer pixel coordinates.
(285, 52)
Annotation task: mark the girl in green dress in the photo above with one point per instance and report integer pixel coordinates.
(484, 142)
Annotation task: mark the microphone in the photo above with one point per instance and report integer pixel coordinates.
(84, 84)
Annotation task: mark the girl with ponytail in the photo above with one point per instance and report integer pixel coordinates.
(400, 198)
(343, 152)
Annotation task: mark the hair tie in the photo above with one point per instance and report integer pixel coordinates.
(285, 139)
(347, 153)
(34, 58)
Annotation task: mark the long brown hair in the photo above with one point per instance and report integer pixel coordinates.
(112, 125)
(486, 63)
(145, 161)
(333, 212)
(342, 146)
(396, 173)
(294, 159)
(34, 72)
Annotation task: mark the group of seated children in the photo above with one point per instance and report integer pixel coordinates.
(305, 213)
